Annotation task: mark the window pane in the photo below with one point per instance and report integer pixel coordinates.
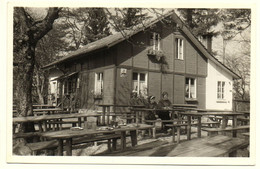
(142, 77)
(187, 90)
(192, 81)
(135, 76)
(187, 81)
(142, 88)
(192, 91)
(135, 85)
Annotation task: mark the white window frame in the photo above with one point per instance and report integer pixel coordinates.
(222, 90)
(154, 41)
(99, 91)
(195, 88)
(179, 48)
(138, 80)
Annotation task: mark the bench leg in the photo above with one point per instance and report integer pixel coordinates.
(189, 128)
(199, 127)
(154, 132)
(173, 134)
(114, 140)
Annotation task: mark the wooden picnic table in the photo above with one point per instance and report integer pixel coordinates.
(41, 106)
(46, 111)
(42, 120)
(189, 115)
(224, 115)
(106, 110)
(68, 135)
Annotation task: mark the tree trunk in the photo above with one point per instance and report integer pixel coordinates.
(39, 86)
(27, 33)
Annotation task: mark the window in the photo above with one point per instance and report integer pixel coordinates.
(70, 85)
(190, 88)
(221, 90)
(99, 83)
(155, 41)
(140, 83)
(179, 48)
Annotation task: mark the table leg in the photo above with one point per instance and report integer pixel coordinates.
(79, 121)
(224, 122)
(136, 117)
(85, 122)
(68, 147)
(60, 147)
(234, 125)
(45, 125)
(123, 140)
(199, 126)
(173, 134)
(189, 128)
(114, 140)
(109, 145)
(103, 115)
(178, 134)
(133, 137)
(108, 115)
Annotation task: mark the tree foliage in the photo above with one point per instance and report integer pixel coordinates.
(200, 21)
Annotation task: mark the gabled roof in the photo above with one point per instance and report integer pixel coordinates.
(118, 37)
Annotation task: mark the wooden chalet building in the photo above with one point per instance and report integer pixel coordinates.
(162, 55)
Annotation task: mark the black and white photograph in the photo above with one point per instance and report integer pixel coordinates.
(131, 82)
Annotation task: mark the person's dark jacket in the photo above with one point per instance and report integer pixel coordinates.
(150, 115)
(164, 115)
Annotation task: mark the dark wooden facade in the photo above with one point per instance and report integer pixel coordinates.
(131, 54)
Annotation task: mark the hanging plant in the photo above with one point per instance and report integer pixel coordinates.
(158, 54)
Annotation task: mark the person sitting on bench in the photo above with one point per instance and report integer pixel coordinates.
(151, 104)
(164, 103)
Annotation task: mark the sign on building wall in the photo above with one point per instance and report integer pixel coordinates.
(123, 72)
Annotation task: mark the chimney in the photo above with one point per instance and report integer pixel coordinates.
(207, 41)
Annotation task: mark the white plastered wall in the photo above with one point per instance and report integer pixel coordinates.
(215, 74)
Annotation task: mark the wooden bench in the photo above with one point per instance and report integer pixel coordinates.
(162, 121)
(178, 127)
(243, 120)
(214, 131)
(53, 144)
(246, 135)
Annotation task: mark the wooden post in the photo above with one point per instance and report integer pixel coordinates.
(68, 147)
(60, 147)
(199, 127)
(189, 127)
(234, 125)
(133, 137)
(123, 140)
